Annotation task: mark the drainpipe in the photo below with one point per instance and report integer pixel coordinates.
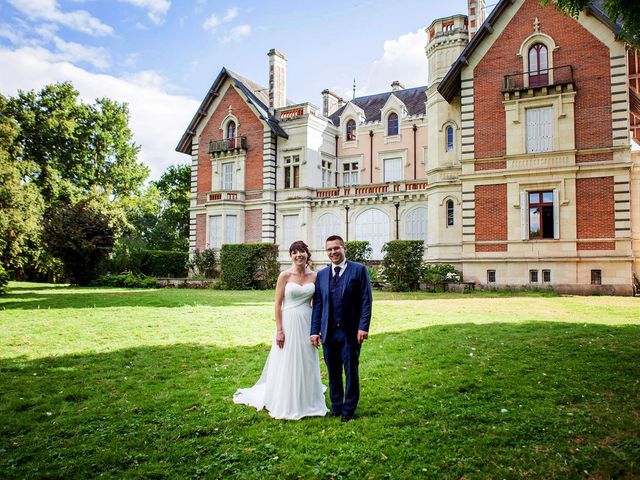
(415, 163)
(275, 193)
(337, 172)
(371, 156)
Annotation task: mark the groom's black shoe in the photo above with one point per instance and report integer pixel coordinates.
(347, 418)
(336, 414)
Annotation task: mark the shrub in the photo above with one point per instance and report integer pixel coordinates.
(4, 281)
(358, 250)
(128, 280)
(437, 276)
(166, 263)
(249, 265)
(402, 263)
(204, 263)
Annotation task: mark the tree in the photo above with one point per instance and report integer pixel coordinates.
(627, 12)
(82, 233)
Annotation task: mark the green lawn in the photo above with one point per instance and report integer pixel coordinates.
(138, 384)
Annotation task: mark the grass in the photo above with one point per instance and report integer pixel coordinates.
(117, 383)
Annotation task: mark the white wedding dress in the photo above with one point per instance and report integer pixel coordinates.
(290, 386)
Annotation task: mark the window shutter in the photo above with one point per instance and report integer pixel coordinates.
(230, 228)
(556, 213)
(524, 215)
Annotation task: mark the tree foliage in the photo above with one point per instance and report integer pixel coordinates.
(401, 264)
(627, 12)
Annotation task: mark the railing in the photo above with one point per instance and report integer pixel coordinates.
(372, 189)
(224, 196)
(228, 144)
(543, 78)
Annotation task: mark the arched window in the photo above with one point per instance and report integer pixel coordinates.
(351, 129)
(538, 65)
(373, 225)
(450, 213)
(328, 224)
(416, 224)
(392, 124)
(231, 129)
(449, 139)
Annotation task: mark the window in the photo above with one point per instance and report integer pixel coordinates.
(215, 231)
(449, 139)
(416, 224)
(392, 169)
(328, 224)
(450, 213)
(227, 176)
(231, 129)
(538, 65)
(491, 276)
(351, 129)
(596, 277)
(231, 222)
(327, 173)
(546, 276)
(292, 171)
(373, 225)
(289, 230)
(350, 173)
(533, 276)
(539, 129)
(392, 124)
(541, 215)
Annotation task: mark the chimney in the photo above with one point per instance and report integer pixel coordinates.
(396, 85)
(330, 102)
(476, 16)
(277, 79)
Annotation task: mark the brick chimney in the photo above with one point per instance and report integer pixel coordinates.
(330, 102)
(277, 79)
(396, 85)
(476, 16)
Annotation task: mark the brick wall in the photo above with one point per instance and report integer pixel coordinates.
(250, 126)
(577, 47)
(253, 226)
(491, 216)
(595, 212)
(201, 231)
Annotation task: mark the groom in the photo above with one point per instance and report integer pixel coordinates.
(340, 321)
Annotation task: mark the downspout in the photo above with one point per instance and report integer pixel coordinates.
(337, 172)
(370, 156)
(275, 192)
(415, 163)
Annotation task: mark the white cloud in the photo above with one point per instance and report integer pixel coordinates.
(75, 52)
(231, 14)
(48, 10)
(211, 23)
(158, 118)
(156, 9)
(236, 33)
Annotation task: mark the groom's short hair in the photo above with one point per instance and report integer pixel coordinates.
(335, 237)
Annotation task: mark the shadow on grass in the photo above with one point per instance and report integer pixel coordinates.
(545, 400)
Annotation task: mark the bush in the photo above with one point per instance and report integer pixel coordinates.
(358, 250)
(204, 263)
(131, 255)
(437, 276)
(165, 263)
(4, 281)
(249, 265)
(128, 280)
(402, 263)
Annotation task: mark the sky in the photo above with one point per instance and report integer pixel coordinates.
(161, 56)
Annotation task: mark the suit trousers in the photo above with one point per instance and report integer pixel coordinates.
(341, 353)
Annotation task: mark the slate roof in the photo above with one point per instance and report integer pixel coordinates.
(256, 94)
(413, 98)
(450, 84)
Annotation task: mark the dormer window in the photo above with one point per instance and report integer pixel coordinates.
(538, 65)
(351, 130)
(392, 124)
(449, 138)
(231, 129)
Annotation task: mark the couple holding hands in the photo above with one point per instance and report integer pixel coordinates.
(331, 308)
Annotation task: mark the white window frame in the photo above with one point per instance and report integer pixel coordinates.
(524, 213)
(351, 175)
(389, 175)
(373, 225)
(290, 162)
(416, 224)
(328, 175)
(227, 179)
(327, 224)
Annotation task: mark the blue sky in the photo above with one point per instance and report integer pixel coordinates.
(161, 56)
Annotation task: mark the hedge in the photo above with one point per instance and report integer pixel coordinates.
(358, 250)
(4, 281)
(402, 264)
(247, 266)
(128, 280)
(165, 263)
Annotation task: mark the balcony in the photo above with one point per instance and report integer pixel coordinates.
(225, 196)
(557, 76)
(373, 189)
(228, 146)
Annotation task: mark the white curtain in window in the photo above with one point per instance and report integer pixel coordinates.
(231, 224)
(289, 230)
(328, 224)
(416, 224)
(539, 129)
(215, 231)
(373, 225)
(393, 169)
(227, 176)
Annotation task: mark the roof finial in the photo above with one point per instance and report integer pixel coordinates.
(536, 25)
(354, 88)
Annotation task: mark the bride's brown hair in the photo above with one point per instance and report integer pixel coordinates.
(300, 246)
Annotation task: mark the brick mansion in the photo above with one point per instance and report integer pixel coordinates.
(513, 162)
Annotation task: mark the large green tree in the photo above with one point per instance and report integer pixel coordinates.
(627, 12)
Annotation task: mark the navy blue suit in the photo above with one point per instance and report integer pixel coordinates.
(341, 307)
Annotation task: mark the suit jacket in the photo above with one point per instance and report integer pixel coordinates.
(356, 301)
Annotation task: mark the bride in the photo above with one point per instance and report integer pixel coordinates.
(290, 387)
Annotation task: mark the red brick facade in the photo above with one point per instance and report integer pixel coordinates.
(491, 215)
(253, 226)
(498, 165)
(576, 47)
(594, 157)
(595, 212)
(201, 231)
